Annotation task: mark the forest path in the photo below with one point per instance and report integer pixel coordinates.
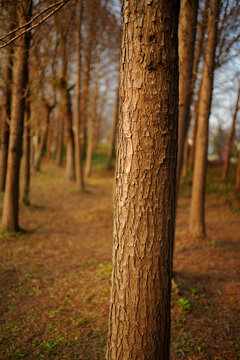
(55, 278)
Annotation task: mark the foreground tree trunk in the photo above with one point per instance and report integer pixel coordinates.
(197, 216)
(230, 139)
(139, 324)
(78, 155)
(20, 77)
(187, 35)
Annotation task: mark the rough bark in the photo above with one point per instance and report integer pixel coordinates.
(27, 156)
(44, 136)
(20, 76)
(139, 324)
(187, 35)
(111, 150)
(78, 155)
(230, 139)
(197, 214)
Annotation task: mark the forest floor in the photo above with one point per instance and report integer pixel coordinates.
(55, 276)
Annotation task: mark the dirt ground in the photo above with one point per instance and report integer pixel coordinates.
(55, 276)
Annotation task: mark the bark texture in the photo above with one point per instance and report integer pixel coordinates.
(187, 35)
(20, 77)
(230, 139)
(139, 324)
(197, 215)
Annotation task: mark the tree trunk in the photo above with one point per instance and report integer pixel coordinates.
(88, 169)
(6, 113)
(198, 52)
(187, 35)
(67, 110)
(185, 159)
(43, 141)
(27, 156)
(78, 155)
(197, 216)
(85, 93)
(70, 162)
(230, 139)
(238, 173)
(139, 324)
(59, 156)
(111, 150)
(20, 78)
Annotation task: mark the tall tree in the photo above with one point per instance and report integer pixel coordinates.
(27, 155)
(78, 155)
(67, 107)
(20, 77)
(230, 139)
(197, 214)
(139, 324)
(187, 34)
(6, 102)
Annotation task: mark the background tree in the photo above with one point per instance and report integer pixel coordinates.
(20, 77)
(197, 216)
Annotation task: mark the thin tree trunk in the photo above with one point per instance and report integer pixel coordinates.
(197, 214)
(20, 78)
(67, 110)
(70, 162)
(139, 324)
(111, 150)
(88, 169)
(187, 35)
(27, 156)
(44, 136)
(6, 113)
(198, 52)
(238, 173)
(185, 159)
(78, 155)
(85, 93)
(230, 139)
(59, 156)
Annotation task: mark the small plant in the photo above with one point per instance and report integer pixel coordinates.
(185, 304)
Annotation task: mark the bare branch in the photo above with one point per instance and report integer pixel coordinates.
(60, 5)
